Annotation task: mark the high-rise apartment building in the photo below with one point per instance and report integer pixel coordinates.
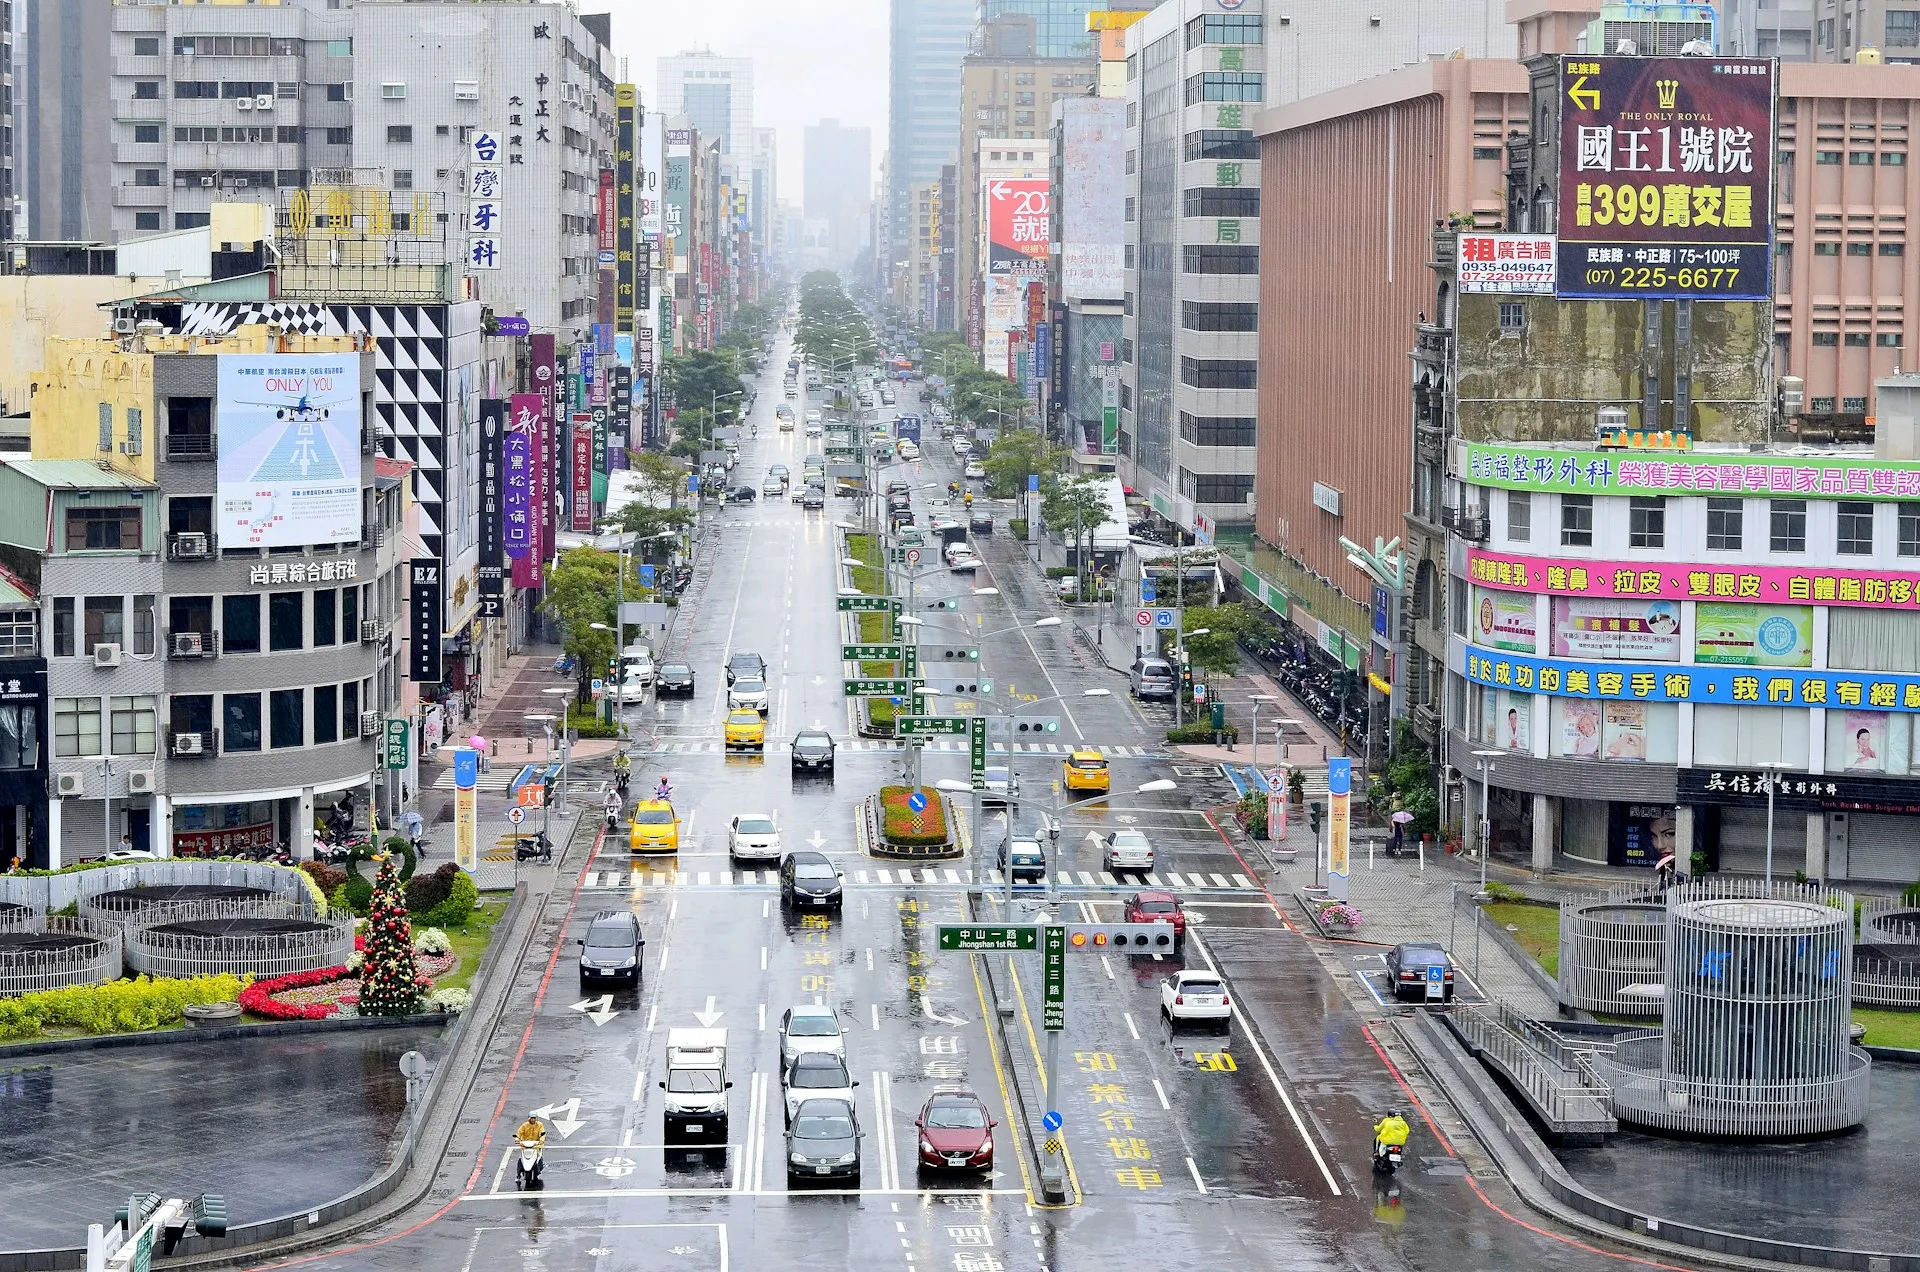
(62, 65)
(714, 93)
(1318, 49)
(1843, 28)
(1059, 26)
(927, 40)
(838, 184)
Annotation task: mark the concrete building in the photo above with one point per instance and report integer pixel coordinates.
(1087, 279)
(1314, 50)
(1778, 28)
(764, 178)
(838, 186)
(926, 41)
(1190, 355)
(1059, 26)
(714, 93)
(63, 63)
(1843, 30)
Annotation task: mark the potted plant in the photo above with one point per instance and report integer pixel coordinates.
(1338, 916)
(1296, 786)
(1251, 813)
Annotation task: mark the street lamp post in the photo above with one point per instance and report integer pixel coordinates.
(1254, 745)
(1774, 766)
(566, 748)
(1486, 759)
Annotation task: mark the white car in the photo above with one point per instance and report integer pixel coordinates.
(807, 1029)
(961, 446)
(909, 450)
(814, 430)
(974, 471)
(753, 837)
(1123, 850)
(130, 854)
(816, 1075)
(813, 416)
(961, 559)
(749, 693)
(1195, 996)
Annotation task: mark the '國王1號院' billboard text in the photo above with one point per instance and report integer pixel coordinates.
(1666, 178)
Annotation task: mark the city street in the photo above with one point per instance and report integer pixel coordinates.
(1241, 1146)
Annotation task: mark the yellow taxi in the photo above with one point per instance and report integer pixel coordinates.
(655, 827)
(1085, 771)
(746, 728)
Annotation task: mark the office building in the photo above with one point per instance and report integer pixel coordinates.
(1314, 50)
(838, 186)
(63, 63)
(926, 41)
(1087, 281)
(1059, 26)
(714, 93)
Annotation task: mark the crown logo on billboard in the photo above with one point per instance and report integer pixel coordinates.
(1669, 90)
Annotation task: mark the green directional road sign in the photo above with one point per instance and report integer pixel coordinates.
(888, 653)
(867, 604)
(876, 688)
(1004, 936)
(977, 751)
(928, 726)
(911, 668)
(1053, 1011)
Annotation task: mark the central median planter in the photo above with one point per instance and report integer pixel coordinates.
(896, 830)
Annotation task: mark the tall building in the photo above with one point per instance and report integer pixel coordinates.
(714, 93)
(927, 40)
(838, 184)
(1087, 282)
(62, 64)
(1313, 51)
(1783, 29)
(1059, 26)
(765, 180)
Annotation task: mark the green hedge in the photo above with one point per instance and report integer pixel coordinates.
(122, 1006)
(897, 821)
(1017, 527)
(1202, 733)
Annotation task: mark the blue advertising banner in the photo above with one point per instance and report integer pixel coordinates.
(1695, 682)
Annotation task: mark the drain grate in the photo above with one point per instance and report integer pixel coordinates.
(1443, 1166)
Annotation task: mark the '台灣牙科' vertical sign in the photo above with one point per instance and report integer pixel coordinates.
(1666, 178)
(625, 104)
(486, 173)
(493, 437)
(423, 619)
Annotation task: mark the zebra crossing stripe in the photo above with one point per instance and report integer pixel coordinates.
(907, 876)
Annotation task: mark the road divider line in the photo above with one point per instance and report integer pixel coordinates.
(876, 1017)
(639, 1085)
(1198, 1182)
(1162, 1093)
(763, 1018)
(763, 958)
(760, 1149)
(1131, 1027)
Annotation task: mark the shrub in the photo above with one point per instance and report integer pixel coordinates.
(899, 824)
(1017, 527)
(1201, 733)
(1335, 912)
(327, 878)
(431, 941)
(428, 890)
(459, 905)
(122, 1006)
(1504, 892)
(449, 1000)
(1059, 571)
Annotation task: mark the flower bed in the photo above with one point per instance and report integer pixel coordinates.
(900, 824)
(322, 994)
(1334, 914)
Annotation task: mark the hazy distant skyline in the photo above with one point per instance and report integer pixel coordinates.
(818, 59)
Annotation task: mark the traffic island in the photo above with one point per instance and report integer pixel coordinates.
(905, 823)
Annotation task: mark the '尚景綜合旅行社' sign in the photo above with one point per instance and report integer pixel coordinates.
(1729, 685)
(1603, 473)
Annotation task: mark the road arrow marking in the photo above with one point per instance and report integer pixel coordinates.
(819, 680)
(709, 1016)
(955, 1021)
(565, 1125)
(818, 839)
(615, 1167)
(599, 1010)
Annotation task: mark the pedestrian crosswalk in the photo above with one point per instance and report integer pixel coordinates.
(1187, 881)
(674, 746)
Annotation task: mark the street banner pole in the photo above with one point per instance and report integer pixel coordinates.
(1339, 817)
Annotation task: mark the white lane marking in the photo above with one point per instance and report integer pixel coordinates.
(1175, 880)
(1108, 880)
(1107, 965)
(653, 1012)
(1220, 881)
(763, 958)
(876, 1017)
(1299, 1124)
(1198, 1182)
(639, 1084)
(766, 907)
(1131, 1027)
(869, 958)
(1162, 1093)
(673, 907)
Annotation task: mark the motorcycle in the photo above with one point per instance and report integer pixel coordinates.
(535, 847)
(620, 780)
(1387, 1157)
(528, 1168)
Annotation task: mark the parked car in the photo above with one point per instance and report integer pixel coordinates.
(1407, 965)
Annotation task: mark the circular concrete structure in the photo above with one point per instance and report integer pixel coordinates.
(259, 945)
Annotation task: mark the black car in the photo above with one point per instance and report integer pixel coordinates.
(981, 523)
(899, 486)
(823, 1142)
(673, 679)
(808, 879)
(813, 750)
(612, 947)
(752, 666)
(742, 494)
(813, 499)
(1407, 966)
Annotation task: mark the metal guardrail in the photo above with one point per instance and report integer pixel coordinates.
(149, 913)
(1561, 1082)
(1609, 942)
(329, 944)
(27, 971)
(1647, 1095)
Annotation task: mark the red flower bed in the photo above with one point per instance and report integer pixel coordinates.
(258, 997)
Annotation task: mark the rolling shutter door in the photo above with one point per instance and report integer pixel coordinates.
(1743, 840)
(1881, 848)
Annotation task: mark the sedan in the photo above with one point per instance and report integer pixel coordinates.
(810, 1029)
(813, 751)
(1156, 907)
(813, 499)
(780, 471)
(1124, 850)
(823, 1142)
(741, 494)
(673, 679)
(753, 837)
(809, 879)
(955, 1132)
(772, 485)
(752, 665)
(974, 470)
(816, 1075)
(1195, 996)
(981, 523)
(961, 560)
(1407, 969)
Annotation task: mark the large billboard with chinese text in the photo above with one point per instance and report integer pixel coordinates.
(289, 466)
(1576, 472)
(1019, 222)
(1093, 198)
(1666, 178)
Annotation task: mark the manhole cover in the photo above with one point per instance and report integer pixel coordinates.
(1443, 1166)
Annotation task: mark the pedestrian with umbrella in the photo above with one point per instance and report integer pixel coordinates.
(1665, 869)
(1398, 842)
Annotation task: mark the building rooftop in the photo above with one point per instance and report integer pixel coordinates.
(75, 474)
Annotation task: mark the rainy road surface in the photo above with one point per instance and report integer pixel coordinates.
(1239, 1148)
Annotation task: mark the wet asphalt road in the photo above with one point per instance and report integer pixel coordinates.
(1242, 1147)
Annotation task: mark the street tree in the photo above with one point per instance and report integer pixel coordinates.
(1074, 506)
(580, 592)
(1226, 626)
(1012, 457)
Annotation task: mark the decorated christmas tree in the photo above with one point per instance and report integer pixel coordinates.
(389, 978)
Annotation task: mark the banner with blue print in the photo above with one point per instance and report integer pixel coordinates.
(1695, 682)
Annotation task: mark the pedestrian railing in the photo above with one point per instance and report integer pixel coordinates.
(1613, 955)
(1647, 1092)
(1561, 1082)
(73, 952)
(1886, 975)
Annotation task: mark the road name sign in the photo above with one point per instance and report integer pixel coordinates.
(876, 688)
(990, 938)
(867, 604)
(877, 653)
(1053, 1010)
(928, 726)
(977, 751)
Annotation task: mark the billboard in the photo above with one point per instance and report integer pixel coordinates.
(493, 436)
(1093, 198)
(1640, 630)
(653, 127)
(1507, 264)
(1666, 178)
(1003, 308)
(1019, 223)
(1753, 635)
(289, 467)
(626, 109)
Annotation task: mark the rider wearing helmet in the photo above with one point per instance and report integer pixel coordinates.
(532, 1129)
(1390, 1131)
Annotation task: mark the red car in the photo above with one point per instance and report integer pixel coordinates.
(955, 1132)
(1157, 907)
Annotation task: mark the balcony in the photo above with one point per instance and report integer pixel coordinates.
(185, 447)
(186, 644)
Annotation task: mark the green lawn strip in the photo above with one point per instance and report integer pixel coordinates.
(1889, 1028)
(1539, 930)
(863, 547)
(470, 942)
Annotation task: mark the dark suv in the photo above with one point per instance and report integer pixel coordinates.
(612, 947)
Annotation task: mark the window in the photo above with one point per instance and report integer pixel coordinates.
(340, 136)
(326, 714)
(146, 90)
(1519, 516)
(1855, 537)
(1909, 531)
(1860, 158)
(1647, 522)
(1725, 530)
(338, 92)
(287, 134)
(146, 220)
(240, 721)
(350, 614)
(1893, 158)
(284, 613)
(1858, 339)
(324, 613)
(1217, 430)
(191, 220)
(400, 134)
(393, 92)
(1196, 315)
(287, 718)
(1576, 521)
(146, 132)
(146, 176)
(1513, 317)
(1788, 518)
(103, 529)
(196, 90)
(1853, 405)
(1893, 249)
(135, 724)
(1820, 406)
(1219, 201)
(1889, 339)
(76, 727)
(240, 624)
(105, 623)
(1219, 373)
(350, 707)
(1225, 86)
(1230, 28)
(63, 626)
(149, 45)
(1209, 258)
(403, 178)
(1859, 247)
(1216, 488)
(1825, 158)
(1826, 247)
(1222, 143)
(1826, 339)
(19, 736)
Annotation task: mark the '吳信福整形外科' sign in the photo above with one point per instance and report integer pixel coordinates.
(1602, 473)
(1666, 178)
(1507, 264)
(1695, 682)
(1558, 576)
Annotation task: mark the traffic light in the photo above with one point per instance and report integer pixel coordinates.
(948, 603)
(1313, 816)
(135, 1213)
(1030, 726)
(958, 684)
(945, 654)
(1130, 938)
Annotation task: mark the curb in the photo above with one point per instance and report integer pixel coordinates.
(223, 1033)
(1527, 963)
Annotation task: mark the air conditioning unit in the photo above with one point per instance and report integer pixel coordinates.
(466, 90)
(69, 784)
(1473, 526)
(106, 655)
(125, 325)
(206, 183)
(369, 631)
(370, 724)
(263, 102)
(189, 545)
(188, 644)
(189, 744)
(240, 183)
(245, 103)
(130, 447)
(140, 782)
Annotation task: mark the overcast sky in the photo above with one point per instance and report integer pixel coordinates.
(812, 60)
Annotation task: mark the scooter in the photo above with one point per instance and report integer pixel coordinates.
(1386, 1157)
(536, 847)
(529, 1169)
